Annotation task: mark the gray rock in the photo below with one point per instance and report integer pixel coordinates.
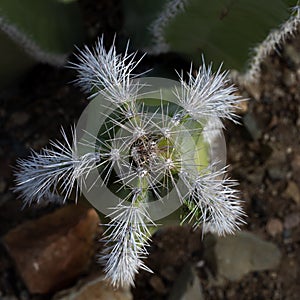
(275, 172)
(239, 254)
(252, 126)
(187, 286)
(292, 220)
(291, 52)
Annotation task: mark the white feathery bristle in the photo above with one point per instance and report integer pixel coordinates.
(53, 171)
(107, 73)
(208, 95)
(126, 238)
(213, 201)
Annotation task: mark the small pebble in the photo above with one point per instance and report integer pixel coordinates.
(274, 227)
(18, 118)
(292, 220)
(3, 185)
(293, 54)
(289, 78)
(276, 172)
(292, 191)
(169, 273)
(158, 284)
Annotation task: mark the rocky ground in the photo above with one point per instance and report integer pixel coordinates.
(262, 262)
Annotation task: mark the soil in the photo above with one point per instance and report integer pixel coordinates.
(263, 153)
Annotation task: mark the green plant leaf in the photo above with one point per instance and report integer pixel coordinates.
(224, 31)
(36, 31)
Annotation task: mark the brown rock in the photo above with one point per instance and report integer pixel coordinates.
(274, 227)
(296, 164)
(158, 284)
(293, 191)
(253, 89)
(53, 250)
(169, 273)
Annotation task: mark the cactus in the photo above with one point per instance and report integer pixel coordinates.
(36, 31)
(224, 31)
(141, 150)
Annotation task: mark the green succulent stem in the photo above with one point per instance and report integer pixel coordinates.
(229, 32)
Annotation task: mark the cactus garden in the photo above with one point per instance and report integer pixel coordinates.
(149, 150)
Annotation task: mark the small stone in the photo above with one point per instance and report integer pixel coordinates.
(94, 289)
(187, 286)
(291, 221)
(296, 163)
(292, 191)
(293, 54)
(53, 250)
(231, 293)
(3, 185)
(168, 273)
(158, 284)
(257, 176)
(289, 78)
(252, 126)
(275, 172)
(253, 89)
(239, 254)
(39, 142)
(18, 118)
(242, 107)
(274, 122)
(274, 227)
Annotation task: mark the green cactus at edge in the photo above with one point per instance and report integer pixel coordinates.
(239, 33)
(36, 31)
